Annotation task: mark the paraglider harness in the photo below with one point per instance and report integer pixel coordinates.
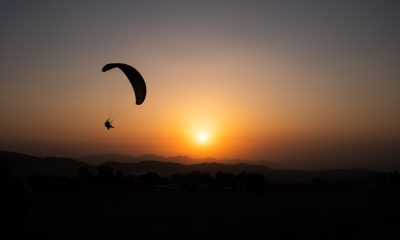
(107, 124)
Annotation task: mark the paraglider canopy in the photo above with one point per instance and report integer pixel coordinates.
(134, 77)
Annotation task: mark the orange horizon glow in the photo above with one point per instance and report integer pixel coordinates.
(251, 81)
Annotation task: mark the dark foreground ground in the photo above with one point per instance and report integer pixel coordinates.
(295, 212)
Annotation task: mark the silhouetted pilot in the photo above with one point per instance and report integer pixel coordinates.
(108, 125)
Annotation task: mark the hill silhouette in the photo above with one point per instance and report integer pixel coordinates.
(115, 157)
(96, 159)
(25, 165)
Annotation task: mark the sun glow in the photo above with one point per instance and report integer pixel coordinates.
(202, 138)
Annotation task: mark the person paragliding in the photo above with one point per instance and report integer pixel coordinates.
(136, 80)
(108, 125)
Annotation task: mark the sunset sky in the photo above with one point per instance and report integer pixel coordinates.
(254, 80)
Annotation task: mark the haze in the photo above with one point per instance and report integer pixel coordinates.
(309, 85)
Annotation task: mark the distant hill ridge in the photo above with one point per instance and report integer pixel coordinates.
(25, 165)
(115, 157)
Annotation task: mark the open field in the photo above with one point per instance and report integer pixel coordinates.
(285, 212)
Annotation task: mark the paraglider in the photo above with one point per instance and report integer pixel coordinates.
(136, 80)
(108, 125)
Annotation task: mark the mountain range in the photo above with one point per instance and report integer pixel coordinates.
(97, 159)
(25, 165)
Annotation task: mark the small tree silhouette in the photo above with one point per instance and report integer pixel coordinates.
(224, 180)
(105, 171)
(150, 178)
(84, 173)
(252, 182)
(193, 180)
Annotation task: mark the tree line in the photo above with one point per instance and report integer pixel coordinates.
(192, 181)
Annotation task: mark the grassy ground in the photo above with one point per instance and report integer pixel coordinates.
(149, 213)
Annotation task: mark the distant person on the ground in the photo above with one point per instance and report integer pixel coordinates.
(108, 125)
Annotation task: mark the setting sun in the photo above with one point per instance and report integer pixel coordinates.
(202, 138)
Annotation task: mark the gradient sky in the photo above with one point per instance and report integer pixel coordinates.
(264, 79)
